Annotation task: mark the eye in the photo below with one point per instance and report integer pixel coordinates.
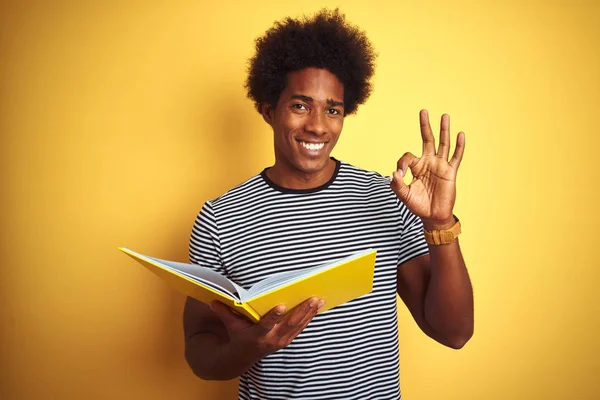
(299, 106)
(333, 111)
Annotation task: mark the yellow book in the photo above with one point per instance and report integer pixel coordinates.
(337, 283)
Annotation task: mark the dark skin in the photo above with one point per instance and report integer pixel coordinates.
(310, 111)
(436, 287)
(307, 121)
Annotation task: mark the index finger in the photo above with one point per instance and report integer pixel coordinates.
(426, 133)
(299, 314)
(268, 322)
(299, 318)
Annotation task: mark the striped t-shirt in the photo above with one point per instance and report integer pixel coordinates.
(259, 228)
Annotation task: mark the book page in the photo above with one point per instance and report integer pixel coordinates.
(205, 276)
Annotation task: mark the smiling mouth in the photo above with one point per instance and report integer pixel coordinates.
(312, 146)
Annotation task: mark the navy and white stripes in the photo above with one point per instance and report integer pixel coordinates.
(258, 229)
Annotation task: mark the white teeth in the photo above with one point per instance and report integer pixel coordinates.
(312, 146)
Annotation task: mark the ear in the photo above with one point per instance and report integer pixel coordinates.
(267, 111)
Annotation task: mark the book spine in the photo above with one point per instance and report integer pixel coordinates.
(248, 311)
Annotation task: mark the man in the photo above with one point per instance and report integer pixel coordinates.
(308, 209)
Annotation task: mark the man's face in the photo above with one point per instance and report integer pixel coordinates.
(307, 120)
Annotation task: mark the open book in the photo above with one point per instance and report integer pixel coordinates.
(337, 283)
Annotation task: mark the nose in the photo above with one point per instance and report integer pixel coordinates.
(316, 124)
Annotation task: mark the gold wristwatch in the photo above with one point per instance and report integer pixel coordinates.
(443, 237)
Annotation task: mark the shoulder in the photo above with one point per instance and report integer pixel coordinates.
(230, 202)
(373, 185)
(239, 194)
(352, 175)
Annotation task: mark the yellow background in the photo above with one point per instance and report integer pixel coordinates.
(119, 119)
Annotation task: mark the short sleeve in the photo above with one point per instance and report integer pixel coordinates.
(205, 247)
(412, 240)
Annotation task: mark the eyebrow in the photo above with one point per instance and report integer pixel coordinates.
(309, 99)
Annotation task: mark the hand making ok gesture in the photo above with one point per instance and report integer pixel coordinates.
(432, 192)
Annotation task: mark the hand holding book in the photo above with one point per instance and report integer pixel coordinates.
(273, 332)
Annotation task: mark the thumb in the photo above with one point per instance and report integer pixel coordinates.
(401, 189)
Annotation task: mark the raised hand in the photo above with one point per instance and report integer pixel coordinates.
(432, 192)
(273, 332)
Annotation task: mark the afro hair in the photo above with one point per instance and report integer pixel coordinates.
(324, 41)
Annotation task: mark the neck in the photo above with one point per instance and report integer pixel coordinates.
(289, 177)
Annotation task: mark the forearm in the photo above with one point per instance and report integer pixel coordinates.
(448, 304)
(213, 358)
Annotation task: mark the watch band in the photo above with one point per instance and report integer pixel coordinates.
(443, 236)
